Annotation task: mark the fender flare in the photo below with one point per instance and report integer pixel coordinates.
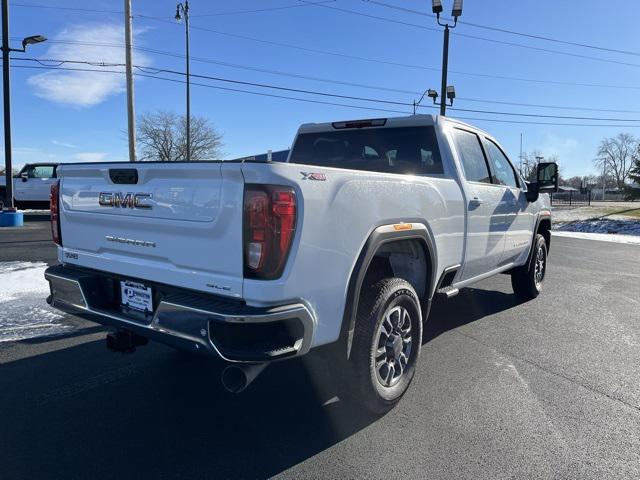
(541, 217)
(381, 236)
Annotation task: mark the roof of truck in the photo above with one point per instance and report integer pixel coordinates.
(406, 121)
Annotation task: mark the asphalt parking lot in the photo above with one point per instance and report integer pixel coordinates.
(544, 389)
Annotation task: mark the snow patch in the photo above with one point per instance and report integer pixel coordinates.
(604, 225)
(603, 237)
(24, 313)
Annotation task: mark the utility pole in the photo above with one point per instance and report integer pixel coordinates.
(131, 116)
(182, 9)
(520, 153)
(6, 88)
(6, 85)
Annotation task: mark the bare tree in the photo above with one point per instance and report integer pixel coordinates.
(162, 136)
(530, 164)
(530, 161)
(616, 156)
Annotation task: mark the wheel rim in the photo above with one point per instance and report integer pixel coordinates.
(393, 346)
(540, 266)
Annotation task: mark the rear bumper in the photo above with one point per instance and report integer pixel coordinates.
(230, 330)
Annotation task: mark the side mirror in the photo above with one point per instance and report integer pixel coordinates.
(24, 176)
(547, 177)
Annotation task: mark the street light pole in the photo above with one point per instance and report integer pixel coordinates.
(7, 104)
(446, 92)
(183, 10)
(445, 67)
(6, 89)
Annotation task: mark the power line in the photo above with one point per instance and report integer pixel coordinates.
(385, 19)
(259, 10)
(147, 70)
(375, 2)
(403, 65)
(360, 85)
(218, 14)
(262, 94)
(527, 122)
(298, 47)
(72, 9)
(316, 101)
(538, 105)
(511, 32)
(475, 37)
(352, 84)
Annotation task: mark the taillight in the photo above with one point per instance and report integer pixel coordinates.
(54, 206)
(269, 226)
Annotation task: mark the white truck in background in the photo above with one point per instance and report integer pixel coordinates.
(31, 186)
(344, 245)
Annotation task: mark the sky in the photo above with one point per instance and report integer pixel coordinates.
(68, 116)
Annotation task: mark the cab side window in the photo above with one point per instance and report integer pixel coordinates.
(41, 171)
(502, 169)
(474, 163)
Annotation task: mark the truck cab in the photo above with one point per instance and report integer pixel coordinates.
(32, 185)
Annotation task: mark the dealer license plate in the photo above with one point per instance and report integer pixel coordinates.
(136, 295)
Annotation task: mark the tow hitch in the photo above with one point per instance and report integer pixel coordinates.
(124, 341)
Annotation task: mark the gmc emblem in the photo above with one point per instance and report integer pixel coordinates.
(124, 200)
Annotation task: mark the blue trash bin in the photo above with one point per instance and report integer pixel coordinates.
(11, 219)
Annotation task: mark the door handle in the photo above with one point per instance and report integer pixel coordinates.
(475, 202)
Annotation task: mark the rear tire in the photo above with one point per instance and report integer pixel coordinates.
(386, 344)
(527, 280)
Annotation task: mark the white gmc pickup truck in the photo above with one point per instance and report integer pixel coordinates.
(344, 245)
(31, 186)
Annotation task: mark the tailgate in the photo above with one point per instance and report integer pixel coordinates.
(179, 224)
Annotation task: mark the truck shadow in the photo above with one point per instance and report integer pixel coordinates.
(470, 305)
(83, 412)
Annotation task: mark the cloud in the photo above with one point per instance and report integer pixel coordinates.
(63, 144)
(86, 88)
(90, 157)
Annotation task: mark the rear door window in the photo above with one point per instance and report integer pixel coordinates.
(503, 172)
(404, 150)
(474, 163)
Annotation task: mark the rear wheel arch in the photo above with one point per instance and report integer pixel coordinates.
(389, 252)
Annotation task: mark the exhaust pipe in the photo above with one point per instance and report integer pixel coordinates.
(235, 378)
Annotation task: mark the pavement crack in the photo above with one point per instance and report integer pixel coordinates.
(610, 396)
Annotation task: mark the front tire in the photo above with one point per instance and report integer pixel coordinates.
(527, 280)
(386, 344)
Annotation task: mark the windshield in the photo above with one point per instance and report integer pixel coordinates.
(406, 150)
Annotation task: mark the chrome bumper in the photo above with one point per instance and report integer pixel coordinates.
(183, 319)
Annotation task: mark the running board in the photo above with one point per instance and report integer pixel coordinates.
(445, 287)
(448, 292)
